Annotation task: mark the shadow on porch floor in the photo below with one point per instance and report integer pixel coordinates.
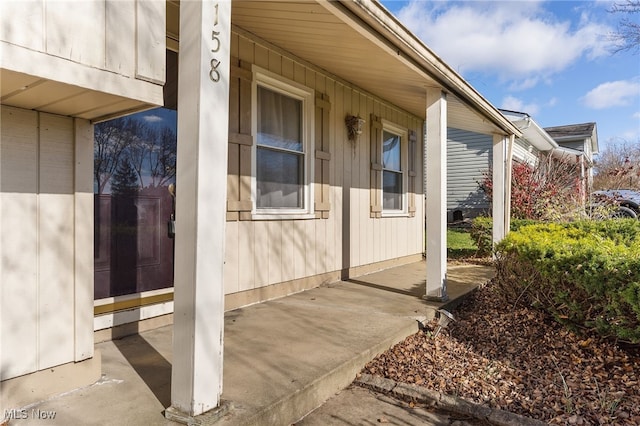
(282, 358)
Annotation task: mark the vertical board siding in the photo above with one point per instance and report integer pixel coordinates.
(55, 241)
(274, 235)
(25, 25)
(261, 253)
(150, 40)
(120, 30)
(84, 239)
(40, 243)
(124, 37)
(73, 30)
(468, 156)
(244, 263)
(231, 272)
(19, 240)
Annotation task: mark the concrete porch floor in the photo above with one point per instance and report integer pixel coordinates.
(282, 358)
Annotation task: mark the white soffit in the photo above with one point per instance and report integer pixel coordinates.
(331, 37)
(26, 91)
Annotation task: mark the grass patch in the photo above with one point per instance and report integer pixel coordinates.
(460, 244)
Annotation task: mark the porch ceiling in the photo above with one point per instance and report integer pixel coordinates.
(353, 41)
(342, 39)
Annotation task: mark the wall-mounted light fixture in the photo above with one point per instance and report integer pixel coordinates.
(354, 126)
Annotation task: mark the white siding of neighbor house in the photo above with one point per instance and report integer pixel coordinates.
(525, 152)
(578, 145)
(47, 282)
(469, 155)
(264, 252)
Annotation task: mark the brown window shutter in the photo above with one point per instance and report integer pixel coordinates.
(413, 140)
(376, 166)
(240, 142)
(322, 204)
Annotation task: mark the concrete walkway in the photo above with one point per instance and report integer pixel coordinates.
(282, 358)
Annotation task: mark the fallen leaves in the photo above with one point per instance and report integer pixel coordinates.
(518, 359)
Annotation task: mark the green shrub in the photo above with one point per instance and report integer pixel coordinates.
(482, 232)
(586, 274)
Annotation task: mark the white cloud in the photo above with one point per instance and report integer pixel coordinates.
(637, 115)
(517, 40)
(612, 94)
(514, 104)
(152, 118)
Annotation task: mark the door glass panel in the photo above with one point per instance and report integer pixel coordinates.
(134, 164)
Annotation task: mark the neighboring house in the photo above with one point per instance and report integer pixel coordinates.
(275, 193)
(469, 158)
(580, 142)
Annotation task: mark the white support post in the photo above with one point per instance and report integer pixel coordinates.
(499, 186)
(203, 115)
(509, 177)
(436, 204)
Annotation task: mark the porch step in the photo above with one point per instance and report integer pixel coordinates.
(286, 357)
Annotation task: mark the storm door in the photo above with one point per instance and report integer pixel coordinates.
(134, 177)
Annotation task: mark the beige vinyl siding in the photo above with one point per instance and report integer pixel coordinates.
(469, 154)
(265, 252)
(43, 242)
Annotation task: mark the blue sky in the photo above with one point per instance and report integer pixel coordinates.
(550, 59)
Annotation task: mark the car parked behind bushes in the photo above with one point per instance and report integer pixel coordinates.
(618, 203)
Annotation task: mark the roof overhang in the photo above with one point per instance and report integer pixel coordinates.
(361, 43)
(563, 152)
(531, 131)
(30, 92)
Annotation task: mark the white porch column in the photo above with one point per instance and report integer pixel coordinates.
(436, 191)
(203, 115)
(509, 177)
(499, 198)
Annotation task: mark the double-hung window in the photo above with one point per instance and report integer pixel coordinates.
(394, 164)
(283, 129)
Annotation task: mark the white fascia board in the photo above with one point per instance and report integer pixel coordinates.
(531, 131)
(538, 137)
(562, 151)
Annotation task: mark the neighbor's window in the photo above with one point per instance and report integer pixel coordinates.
(282, 146)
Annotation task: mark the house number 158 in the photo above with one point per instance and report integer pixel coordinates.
(214, 74)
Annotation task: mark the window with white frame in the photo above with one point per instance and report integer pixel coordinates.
(283, 129)
(394, 164)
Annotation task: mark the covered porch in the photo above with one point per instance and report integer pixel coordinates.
(358, 45)
(283, 358)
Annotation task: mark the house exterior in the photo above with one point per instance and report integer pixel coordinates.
(580, 142)
(469, 158)
(271, 195)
